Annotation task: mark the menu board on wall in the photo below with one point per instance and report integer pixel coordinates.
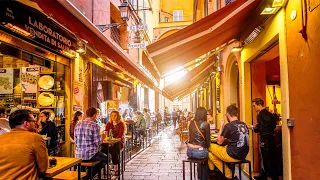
(6, 81)
(29, 76)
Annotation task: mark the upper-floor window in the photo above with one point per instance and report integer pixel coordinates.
(177, 15)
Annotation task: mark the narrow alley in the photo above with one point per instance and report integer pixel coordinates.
(162, 160)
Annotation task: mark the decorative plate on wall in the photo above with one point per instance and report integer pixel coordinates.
(46, 99)
(46, 82)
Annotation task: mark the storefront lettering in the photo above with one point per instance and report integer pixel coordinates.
(35, 69)
(15, 15)
(45, 33)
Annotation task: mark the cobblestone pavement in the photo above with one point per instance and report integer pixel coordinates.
(162, 160)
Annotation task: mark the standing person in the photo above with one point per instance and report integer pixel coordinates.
(88, 139)
(265, 127)
(147, 118)
(118, 128)
(237, 149)
(48, 127)
(23, 153)
(199, 138)
(4, 122)
(158, 116)
(78, 116)
(174, 115)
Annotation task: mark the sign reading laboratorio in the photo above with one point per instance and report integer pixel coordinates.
(29, 77)
(137, 45)
(41, 28)
(6, 81)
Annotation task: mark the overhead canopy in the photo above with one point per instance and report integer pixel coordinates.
(146, 63)
(193, 77)
(70, 17)
(202, 36)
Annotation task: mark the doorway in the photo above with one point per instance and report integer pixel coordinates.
(265, 84)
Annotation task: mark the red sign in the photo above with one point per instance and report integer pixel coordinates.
(76, 91)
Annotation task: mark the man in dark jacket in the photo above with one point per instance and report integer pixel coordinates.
(265, 128)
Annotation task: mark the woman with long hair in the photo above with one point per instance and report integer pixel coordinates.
(118, 128)
(48, 127)
(199, 137)
(78, 116)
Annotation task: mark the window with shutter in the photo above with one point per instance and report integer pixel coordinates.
(177, 15)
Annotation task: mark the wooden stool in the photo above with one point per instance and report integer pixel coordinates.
(70, 175)
(233, 164)
(199, 162)
(90, 167)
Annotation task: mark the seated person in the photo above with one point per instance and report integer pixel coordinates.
(118, 128)
(199, 138)
(4, 122)
(88, 139)
(140, 125)
(23, 153)
(238, 142)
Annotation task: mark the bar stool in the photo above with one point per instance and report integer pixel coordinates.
(233, 164)
(191, 161)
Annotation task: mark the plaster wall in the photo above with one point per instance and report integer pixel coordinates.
(303, 70)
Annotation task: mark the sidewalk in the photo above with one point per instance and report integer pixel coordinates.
(162, 160)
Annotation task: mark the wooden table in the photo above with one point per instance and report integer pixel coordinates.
(63, 163)
(107, 142)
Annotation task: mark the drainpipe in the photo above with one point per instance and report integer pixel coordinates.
(92, 4)
(205, 8)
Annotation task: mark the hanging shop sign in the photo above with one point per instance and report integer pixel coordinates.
(136, 37)
(35, 25)
(136, 28)
(137, 45)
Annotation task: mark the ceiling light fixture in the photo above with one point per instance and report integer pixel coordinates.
(268, 11)
(279, 3)
(237, 49)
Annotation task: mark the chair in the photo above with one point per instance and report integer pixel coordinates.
(128, 146)
(91, 167)
(191, 161)
(70, 175)
(233, 164)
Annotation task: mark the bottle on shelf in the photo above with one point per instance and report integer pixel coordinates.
(62, 118)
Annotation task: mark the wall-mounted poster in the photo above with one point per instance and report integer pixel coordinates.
(6, 81)
(29, 76)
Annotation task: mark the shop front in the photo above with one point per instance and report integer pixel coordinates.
(34, 70)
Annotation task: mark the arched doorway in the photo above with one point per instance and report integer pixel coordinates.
(232, 91)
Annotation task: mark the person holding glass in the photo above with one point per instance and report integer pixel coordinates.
(118, 128)
(199, 138)
(48, 128)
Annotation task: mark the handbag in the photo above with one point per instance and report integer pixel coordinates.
(199, 129)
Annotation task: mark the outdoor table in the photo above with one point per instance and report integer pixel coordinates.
(63, 163)
(106, 144)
